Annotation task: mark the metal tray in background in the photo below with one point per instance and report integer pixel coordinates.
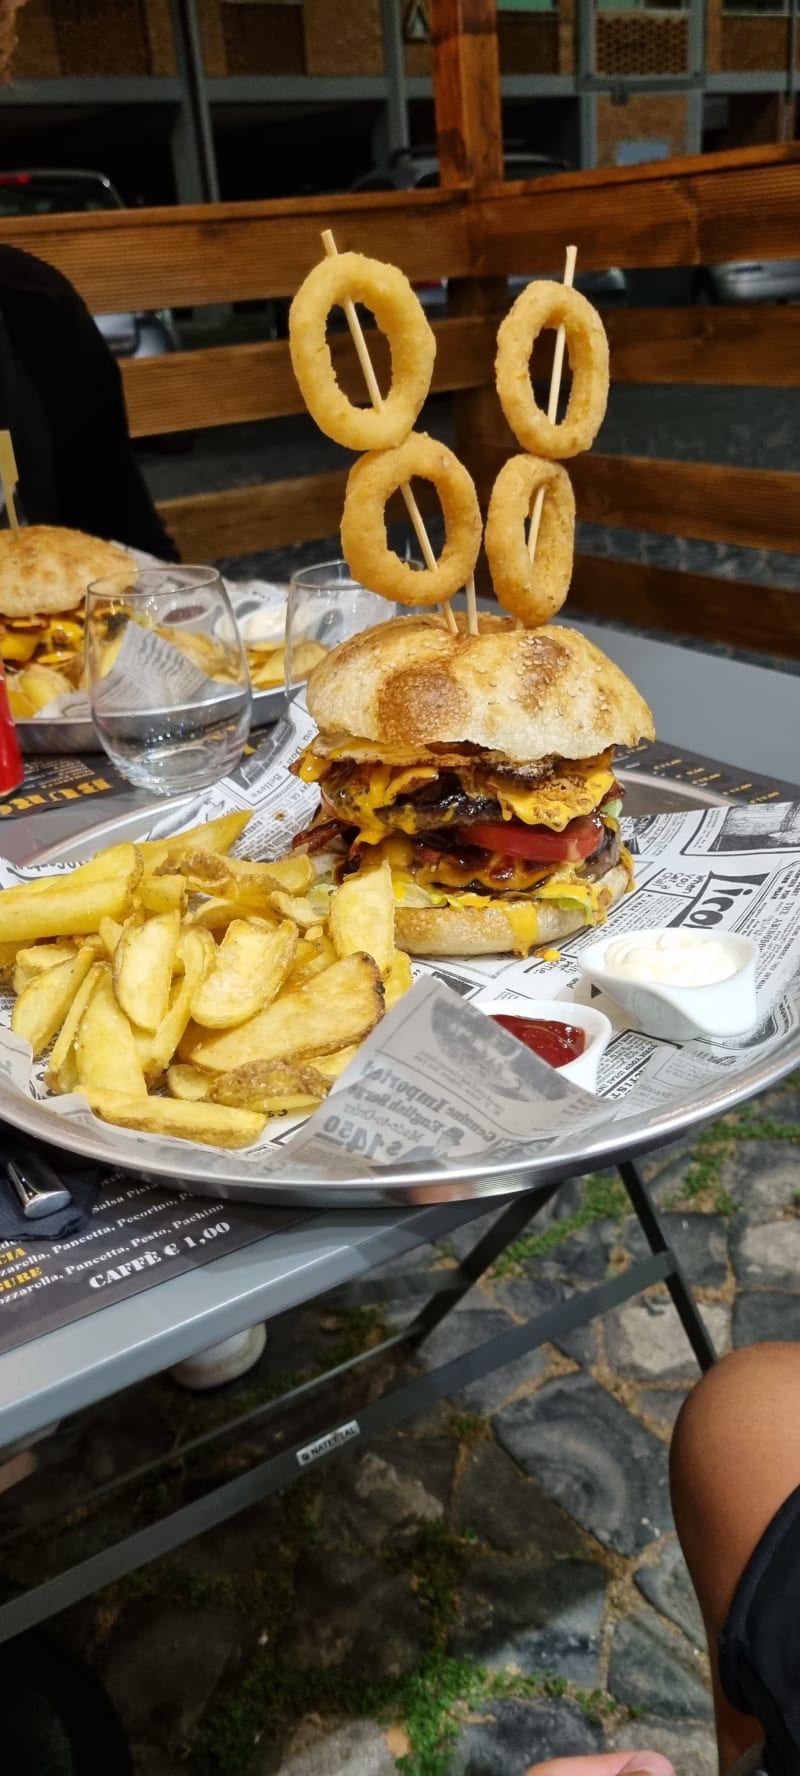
(645, 794)
(67, 736)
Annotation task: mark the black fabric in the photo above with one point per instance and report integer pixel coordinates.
(61, 398)
(760, 1644)
(57, 1718)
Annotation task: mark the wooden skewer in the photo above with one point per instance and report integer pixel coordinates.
(552, 405)
(9, 476)
(472, 607)
(371, 380)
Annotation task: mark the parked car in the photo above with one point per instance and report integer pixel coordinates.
(46, 192)
(418, 170)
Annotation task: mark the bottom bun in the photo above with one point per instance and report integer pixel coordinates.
(487, 930)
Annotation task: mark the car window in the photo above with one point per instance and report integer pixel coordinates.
(34, 197)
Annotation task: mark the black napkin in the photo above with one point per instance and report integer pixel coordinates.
(83, 1182)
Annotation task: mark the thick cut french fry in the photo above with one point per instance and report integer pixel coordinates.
(36, 960)
(196, 954)
(162, 894)
(269, 1086)
(298, 908)
(67, 907)
(118, 860)
(334, 1008)
(362, 916)
(311, 958)
(399, 978)
(217, 915)
(188, 1083)
(215, 1125)
(43, 1004)
(331, 1066)
(105, 1047)
(110, 934)
(249, 970)
(216, 835)
(143, 966)
(62, 1069)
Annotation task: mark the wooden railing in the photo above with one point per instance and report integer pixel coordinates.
(700, 211)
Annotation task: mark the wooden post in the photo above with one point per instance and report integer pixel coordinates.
(466, 79)
(469, 133)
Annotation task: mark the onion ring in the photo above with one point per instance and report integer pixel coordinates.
(371, 482)
(532, 590)
(387, 292)
(541, 305)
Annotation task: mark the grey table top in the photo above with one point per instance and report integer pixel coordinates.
(93, 1358)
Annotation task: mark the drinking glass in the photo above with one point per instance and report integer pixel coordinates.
(326, 606)
(167, 676)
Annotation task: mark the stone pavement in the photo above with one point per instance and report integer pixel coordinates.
(494, 1583)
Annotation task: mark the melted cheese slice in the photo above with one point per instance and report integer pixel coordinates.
(578, 789)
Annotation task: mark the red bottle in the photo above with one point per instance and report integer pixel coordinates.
(12, 769)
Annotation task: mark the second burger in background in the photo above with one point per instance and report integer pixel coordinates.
(481, 767)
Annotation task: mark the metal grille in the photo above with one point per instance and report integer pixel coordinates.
(96, 37)
(630, 43)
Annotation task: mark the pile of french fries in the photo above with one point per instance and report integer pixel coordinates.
(189, 993)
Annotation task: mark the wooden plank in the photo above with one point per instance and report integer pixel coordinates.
(700, 210)
(245, 520)
(755, 347)
(765, 619)
(173, 258)
(754, 508)
(230, 384)
(466, 86)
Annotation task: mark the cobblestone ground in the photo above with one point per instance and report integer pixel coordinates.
(494, 1583)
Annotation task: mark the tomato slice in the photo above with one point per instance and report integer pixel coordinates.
(538, 844)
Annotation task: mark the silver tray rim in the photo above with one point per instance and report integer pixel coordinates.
(67, 735)
(412, 1186)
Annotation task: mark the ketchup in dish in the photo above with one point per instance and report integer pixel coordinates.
(556, 1043)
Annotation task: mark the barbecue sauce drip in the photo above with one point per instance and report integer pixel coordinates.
(558, 1044)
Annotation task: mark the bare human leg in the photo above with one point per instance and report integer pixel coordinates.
(735, 1459)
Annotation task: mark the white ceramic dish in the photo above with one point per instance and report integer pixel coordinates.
(682, 1014)
(582, 1071)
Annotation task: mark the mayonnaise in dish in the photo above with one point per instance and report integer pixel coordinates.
(673, 959)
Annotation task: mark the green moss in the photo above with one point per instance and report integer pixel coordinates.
(469, 1427)
(605, 1199)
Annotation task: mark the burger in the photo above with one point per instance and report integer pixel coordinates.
(480, 767)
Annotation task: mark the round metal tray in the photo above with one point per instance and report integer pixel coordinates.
(70, 736)
(206, 1173)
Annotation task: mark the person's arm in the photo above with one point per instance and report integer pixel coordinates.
(99, 486)
(606, 1763)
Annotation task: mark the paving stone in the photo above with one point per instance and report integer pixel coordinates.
(763, 1174)
(164, 1665)
(352, 1616)
(662, 1404)
(702, 1247)
(511, 1735)
(668, 1587)
(357, 1747)
(461, 1240)
(508, 1510)
(530, 1295)
(387, 1492)
(761, 1316)
(539, 1618)
(466, 1328)
(766, 1254)
(654, 1668)
(587, 1452)
(645, 1338)
(690, 1747)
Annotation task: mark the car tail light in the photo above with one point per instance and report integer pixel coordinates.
(16, 178)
